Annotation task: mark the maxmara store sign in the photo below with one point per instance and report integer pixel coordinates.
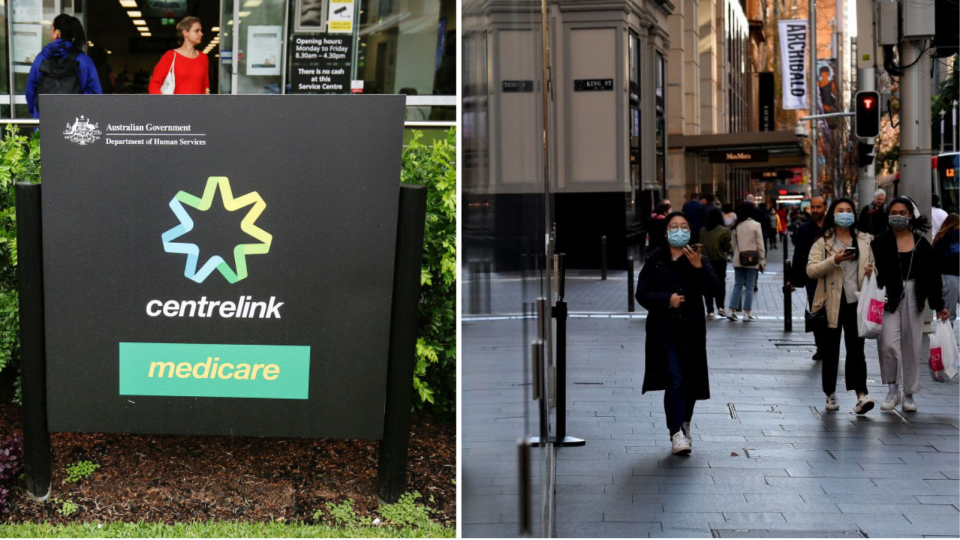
(219, 264)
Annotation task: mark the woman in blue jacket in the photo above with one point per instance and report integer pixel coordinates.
(66, 37)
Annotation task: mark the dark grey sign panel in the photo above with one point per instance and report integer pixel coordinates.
(219, 264)
(593, 85)
(517, 86)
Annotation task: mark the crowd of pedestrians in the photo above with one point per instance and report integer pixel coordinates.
(836, 250)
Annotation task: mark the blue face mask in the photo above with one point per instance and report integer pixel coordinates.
(678, 238)
(843, 220)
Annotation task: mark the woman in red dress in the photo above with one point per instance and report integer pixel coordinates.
(190, 67)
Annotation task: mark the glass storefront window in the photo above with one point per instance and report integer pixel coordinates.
(409, 47)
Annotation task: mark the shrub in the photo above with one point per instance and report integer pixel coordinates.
(435, 375)
(11, 452)
(19, 162)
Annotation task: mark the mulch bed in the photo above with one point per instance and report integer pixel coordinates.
(173, 478)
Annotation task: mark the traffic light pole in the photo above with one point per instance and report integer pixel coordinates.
(866, 176)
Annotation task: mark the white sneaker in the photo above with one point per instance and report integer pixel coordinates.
(721, 312)
(909, 405)
(750, 318)
(891, 401)
(864, 405)
(732, 315)
(686, 430)
(832, 403)
(681, 446)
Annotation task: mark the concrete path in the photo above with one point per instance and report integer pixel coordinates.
(767, 460)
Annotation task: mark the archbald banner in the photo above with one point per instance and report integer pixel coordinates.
(793, 59)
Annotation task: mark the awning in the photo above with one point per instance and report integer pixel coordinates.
(780, 148)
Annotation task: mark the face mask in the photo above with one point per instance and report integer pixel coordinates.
(678, 238)
(843, 220)
(899, 222)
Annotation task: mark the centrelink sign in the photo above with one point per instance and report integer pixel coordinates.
(219, 264)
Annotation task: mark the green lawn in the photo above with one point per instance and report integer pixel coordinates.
(221, 529)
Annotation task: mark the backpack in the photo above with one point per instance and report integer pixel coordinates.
(60, 76)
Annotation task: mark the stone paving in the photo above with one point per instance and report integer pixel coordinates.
(767, 460)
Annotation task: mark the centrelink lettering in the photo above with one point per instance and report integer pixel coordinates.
(245, 308)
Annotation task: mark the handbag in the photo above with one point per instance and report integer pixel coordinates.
(170, 83)
(747, 258)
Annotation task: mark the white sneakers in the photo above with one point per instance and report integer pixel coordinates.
(864, 405)
(832, 403)
(732, 315)
(891, 401)
(681, 445)
(909, 405)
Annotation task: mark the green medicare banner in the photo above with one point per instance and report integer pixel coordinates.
(211, 370)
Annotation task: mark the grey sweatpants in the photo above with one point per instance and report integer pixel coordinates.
(951, 294)
(901, 335)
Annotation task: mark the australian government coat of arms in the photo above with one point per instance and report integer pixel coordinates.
(82, 132)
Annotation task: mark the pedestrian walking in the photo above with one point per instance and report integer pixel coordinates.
(774, 226)
(657, 227)
(946, 249)
(937, 215)
(808, 233)
(715, 238)
(873, 219)
(839, 261)
(62, 67)
(184, 70)
(749, 258)
(670, 287)
(729, 216)
(696, 213)
(906, 268)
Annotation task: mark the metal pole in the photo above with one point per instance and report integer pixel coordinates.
(915, 137)
(814, 95)
(603, 257)
(402, 357)
(631, 307)
(33, 369)
(787, 293)
(866, 176)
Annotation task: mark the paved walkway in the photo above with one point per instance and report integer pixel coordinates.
(767, 460)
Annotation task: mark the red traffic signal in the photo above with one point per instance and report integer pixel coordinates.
(868, 114)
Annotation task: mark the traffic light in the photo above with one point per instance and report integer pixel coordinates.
(868, 114)
(865, 154)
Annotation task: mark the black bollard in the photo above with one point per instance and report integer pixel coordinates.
(33, 369)
(631, 307)
(603, 257)
(402, 356)
(787, 297)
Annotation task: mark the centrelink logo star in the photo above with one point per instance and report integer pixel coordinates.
(203, 204)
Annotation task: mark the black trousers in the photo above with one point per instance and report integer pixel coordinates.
(856, 364)
(719, 268)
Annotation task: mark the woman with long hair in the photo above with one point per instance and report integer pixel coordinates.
(749, 258)
(67, 41)
(188, 66)
(840, 260)
(906, 268)
(715, 238)
(946, 249)
(671, 286)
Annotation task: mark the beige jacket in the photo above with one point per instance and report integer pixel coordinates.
(820, 265)
(748, 236)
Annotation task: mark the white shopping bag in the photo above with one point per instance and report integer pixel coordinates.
(870, 308)
(944, 355)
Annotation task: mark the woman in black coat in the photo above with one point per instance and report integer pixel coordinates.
(671, 287)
